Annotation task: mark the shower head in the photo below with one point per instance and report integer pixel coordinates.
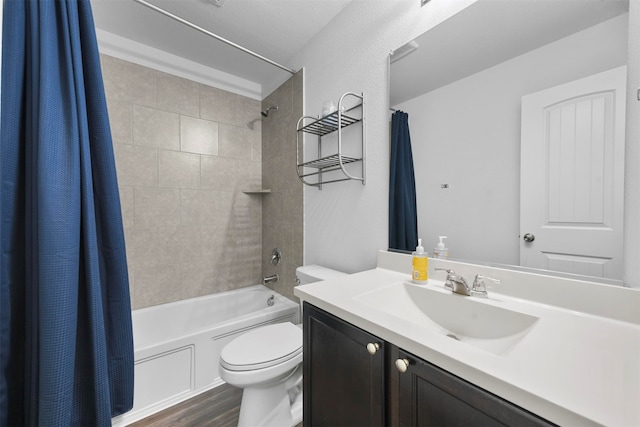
(265, 113)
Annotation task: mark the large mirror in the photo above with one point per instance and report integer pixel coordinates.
(517, 130)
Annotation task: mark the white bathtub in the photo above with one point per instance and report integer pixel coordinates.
(178, 345)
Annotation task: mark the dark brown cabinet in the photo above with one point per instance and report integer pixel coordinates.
(345, 385)
(430, 396)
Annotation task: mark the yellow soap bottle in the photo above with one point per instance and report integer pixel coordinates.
(420, 273)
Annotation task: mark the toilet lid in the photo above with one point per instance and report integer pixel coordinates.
(262, 347)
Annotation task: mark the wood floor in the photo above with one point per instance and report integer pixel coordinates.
(219, 407)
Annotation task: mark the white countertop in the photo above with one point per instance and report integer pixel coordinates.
(572, 367)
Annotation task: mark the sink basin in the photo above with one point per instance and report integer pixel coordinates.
(466, 319)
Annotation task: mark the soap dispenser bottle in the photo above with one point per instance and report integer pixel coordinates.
(440, 251)
(420, 273)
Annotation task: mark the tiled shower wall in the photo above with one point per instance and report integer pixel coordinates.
(184, 152)
(282, 211)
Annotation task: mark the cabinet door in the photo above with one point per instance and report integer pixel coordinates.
(430, 396)
(343, 384)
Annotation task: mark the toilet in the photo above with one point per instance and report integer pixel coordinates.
(266, 363)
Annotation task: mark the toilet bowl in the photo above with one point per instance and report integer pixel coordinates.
(266, 363)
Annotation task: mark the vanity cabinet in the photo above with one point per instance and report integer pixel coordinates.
(346, 385)
(343, 384)
(430, 396)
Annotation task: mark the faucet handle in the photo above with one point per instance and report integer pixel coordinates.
(450, 272)
(479, 289)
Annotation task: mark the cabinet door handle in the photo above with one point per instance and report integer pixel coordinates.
(373, 347)
(402, 365)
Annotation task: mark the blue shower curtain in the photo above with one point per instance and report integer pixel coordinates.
(66, 347)
(403, 217)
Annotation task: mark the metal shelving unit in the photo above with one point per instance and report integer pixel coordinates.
(333, 123)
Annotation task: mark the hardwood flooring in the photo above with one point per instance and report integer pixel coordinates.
(219, 407)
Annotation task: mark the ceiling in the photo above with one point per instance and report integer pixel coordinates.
(487, 33)
(276, 29)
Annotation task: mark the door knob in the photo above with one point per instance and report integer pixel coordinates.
(402, 365)
(373, 347)
(529, 237)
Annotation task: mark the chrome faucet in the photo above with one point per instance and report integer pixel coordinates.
(270, 279)
(459, 285)
(455, 283)
(276, 257)
(479, 288)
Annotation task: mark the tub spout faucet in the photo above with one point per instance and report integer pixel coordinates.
(270, 279)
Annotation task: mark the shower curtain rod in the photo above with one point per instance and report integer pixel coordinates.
(210, 34)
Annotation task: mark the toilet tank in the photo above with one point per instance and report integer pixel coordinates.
(315, 273)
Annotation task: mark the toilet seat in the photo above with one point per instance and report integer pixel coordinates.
(262, 348)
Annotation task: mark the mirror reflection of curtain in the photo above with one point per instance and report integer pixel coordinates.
(403, 218)
(66, 344)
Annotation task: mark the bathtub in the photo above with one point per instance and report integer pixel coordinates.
(178, 345)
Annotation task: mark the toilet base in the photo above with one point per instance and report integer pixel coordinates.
(273, 409)
(296, 409)
(277, 405)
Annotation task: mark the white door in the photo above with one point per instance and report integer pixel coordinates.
(572, 176)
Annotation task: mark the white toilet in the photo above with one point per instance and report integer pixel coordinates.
(266, 363)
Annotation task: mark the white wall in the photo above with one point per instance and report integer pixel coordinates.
(632, 154)
(347, 222)
(480, 160)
